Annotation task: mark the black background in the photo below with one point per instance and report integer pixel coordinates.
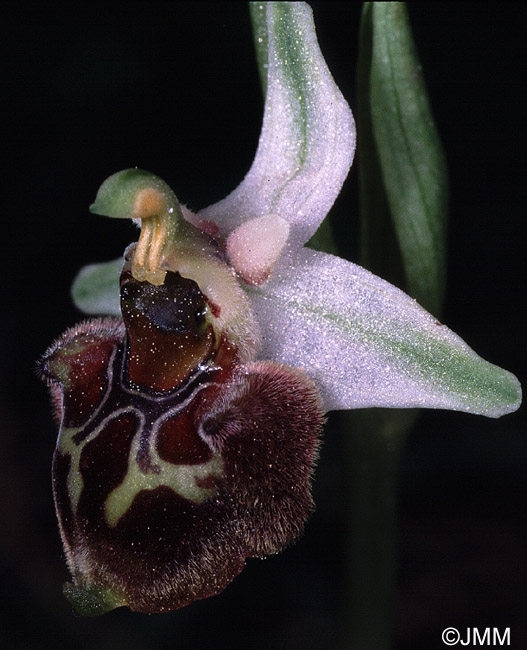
(91, 89)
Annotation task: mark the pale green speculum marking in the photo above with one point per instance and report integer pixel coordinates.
(67, 446)
(180, 478)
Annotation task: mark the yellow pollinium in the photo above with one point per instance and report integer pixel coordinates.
(150, 207)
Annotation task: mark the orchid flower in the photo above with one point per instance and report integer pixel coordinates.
(276, 321)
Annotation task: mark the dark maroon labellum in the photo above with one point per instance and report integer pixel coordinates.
(174, 462)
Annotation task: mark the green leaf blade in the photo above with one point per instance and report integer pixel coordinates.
(261, 40)
(411, 158)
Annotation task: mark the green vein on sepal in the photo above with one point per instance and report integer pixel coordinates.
(368, 344)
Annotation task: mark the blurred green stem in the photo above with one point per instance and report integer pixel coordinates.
(373, 441)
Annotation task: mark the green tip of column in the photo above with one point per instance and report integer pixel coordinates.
(117, 196)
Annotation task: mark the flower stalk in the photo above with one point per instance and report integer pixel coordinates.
(373, 442)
